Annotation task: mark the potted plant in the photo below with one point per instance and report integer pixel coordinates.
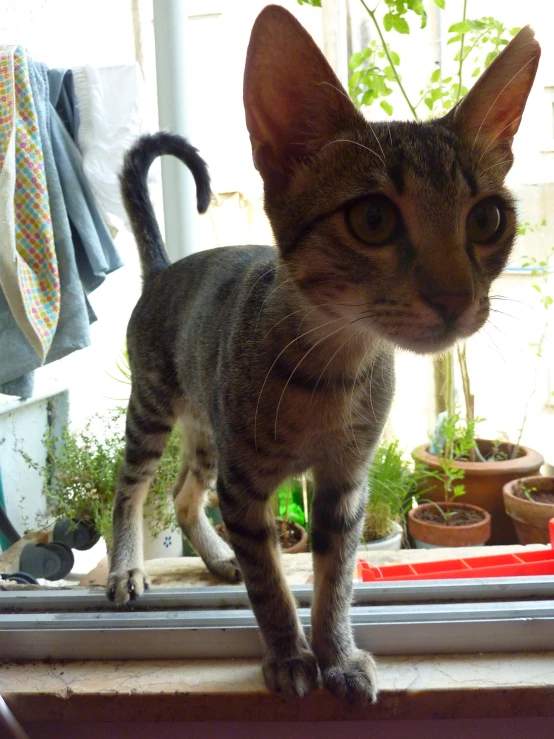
(392, 483)
(448, 522)
(80, 478)
(530, 505)
(290, 507)
(486, 465)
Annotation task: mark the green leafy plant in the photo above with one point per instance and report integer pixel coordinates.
(456, 441)
(81, 469)
(376, 69)
(290, 504)
(393, 482)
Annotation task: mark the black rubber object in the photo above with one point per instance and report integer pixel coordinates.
(79, 535)
(52, 561)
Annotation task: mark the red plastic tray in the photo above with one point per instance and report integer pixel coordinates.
(497, 565)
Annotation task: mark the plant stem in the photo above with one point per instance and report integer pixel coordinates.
(373, 17)
(460, 66)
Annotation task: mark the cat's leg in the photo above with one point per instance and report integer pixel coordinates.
(337, 520)
(197, 477)
(148, 425)
(288, 665)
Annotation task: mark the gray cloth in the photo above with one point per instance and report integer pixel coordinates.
(75, 215)
(95, 251)
(63, 98)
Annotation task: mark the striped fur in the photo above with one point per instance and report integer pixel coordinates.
(280, 360)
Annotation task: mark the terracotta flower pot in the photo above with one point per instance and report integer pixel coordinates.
(530, 517)
(484, 481)
(300, 546)
(444, 535)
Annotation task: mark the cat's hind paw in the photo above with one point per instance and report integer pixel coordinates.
(294, 676)
(355, 680)
(126, 585)
(227, 569)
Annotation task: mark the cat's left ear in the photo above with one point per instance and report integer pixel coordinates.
(490, 114)
(293, 101)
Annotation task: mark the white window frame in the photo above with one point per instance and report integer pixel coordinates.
(397, 618)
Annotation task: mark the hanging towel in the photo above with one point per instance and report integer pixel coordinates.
(17, 358)
(28, 264)
(94, 247)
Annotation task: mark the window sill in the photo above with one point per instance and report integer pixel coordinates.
(466, 686)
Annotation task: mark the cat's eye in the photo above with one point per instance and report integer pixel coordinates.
(485, 222)
(373, 219)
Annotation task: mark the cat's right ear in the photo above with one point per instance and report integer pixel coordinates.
(293, 100)
(490, 114)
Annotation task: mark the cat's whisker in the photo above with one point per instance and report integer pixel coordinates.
(290, 279)
(294, 370)
(503, 313)
(260, 278)
(520, 70)
(356, 143)
(493, 342)
(308, 309)
(329, 84)
(491, 142)
(275, 362)
(524, 303)
(328, 363)
(504, 162)
(294, 312)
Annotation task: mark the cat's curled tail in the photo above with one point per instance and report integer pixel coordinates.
(134, 189)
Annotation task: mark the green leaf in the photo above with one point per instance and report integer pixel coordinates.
(389, 73)
(368, 98)
(314, 3)
(400, 25)
(356, 59)
(537, 288)
(394, 56)
(461, 27)
(387, 107)
(435, 77)
(491, 56)
(387, 21)
(514, 31)
(440, 4)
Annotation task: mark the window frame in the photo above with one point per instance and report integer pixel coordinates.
(397, 618)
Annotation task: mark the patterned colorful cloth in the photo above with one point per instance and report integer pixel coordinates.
(28, 264)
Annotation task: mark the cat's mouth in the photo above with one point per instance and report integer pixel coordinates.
(423, 337)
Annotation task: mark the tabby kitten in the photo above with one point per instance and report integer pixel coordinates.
(276, 361)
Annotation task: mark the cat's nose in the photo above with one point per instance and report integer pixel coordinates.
(449, 306)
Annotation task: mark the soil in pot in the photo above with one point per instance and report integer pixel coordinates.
(459, 517)
(293, 538)
(484, 481)
(462, 526)
(530, 504)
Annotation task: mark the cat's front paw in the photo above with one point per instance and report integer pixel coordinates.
(295, 675)
(126, 585)
(355, 679)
